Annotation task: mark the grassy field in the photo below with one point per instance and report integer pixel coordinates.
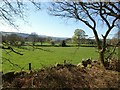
(51, 55)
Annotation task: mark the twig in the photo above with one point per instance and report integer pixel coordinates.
(113, 50)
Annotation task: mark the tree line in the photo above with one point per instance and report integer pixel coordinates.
(78, 39)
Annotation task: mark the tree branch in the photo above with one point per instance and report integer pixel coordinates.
(10, 48)
(101, 14)
(82, 4)
(112, 51)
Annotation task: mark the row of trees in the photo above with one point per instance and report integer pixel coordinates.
(13, 39)
(33, 39)
(16, 40)
(79, 38)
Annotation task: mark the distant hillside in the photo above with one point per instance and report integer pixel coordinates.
(26, 35)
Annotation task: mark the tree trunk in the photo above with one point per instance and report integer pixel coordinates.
(78, 40)
(101, 49)
(41, 43)
(101, 57)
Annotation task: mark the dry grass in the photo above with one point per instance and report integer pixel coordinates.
(66, 76)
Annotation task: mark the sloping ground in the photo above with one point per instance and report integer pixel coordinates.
(64, 76)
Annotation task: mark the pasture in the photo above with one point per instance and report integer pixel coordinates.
(47, 57)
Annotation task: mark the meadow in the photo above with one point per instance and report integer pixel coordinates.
(48, 56)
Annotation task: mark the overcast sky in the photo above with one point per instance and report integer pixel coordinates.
(44, 24)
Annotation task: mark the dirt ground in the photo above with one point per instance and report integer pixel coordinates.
(63, 76)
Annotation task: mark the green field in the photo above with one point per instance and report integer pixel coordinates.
(52, 55)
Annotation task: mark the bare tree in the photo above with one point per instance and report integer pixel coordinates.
(89, 13)
(10, 11)
(41, 40)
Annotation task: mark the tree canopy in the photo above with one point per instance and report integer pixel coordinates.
(78, 34)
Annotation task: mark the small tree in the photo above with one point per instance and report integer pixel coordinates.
(52, 42)
(79, 34)
(41, 40)
(33, 37)
(22, 41)
(63, 43)
(48, 39)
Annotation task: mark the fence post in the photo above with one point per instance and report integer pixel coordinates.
(29, 66)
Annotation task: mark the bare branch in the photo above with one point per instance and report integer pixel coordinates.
(36, 4)
(103, 18)
(11, 11)
(113, 51)
(10, 48)
(88, 14)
